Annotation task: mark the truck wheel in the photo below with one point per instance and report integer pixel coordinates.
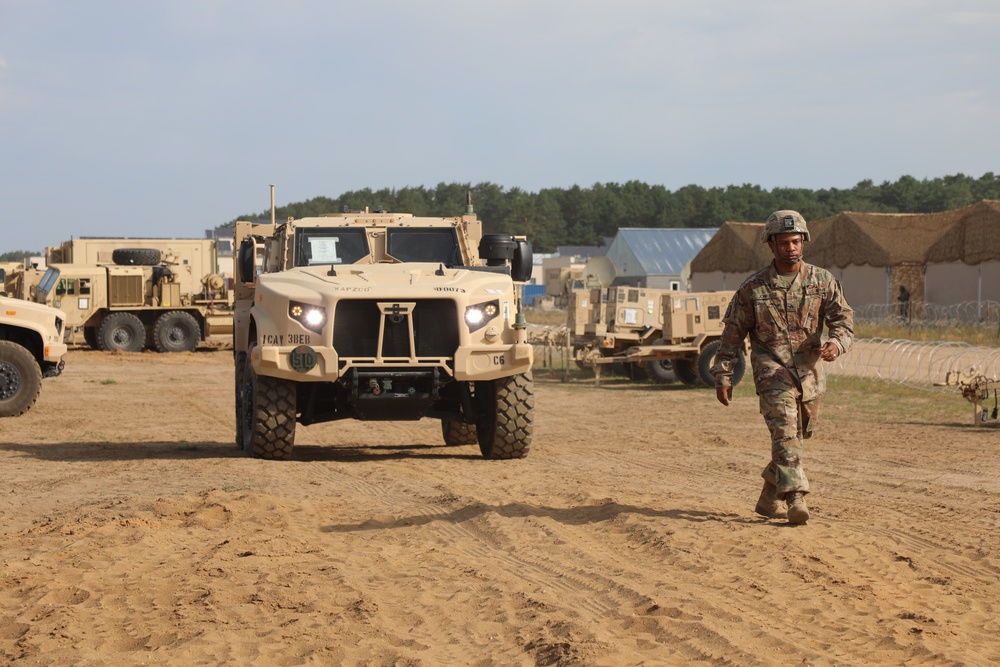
(90, 337)
(176, 331)
(507, 413)
(135, 256)
(268, 419)
(20, 379)
(240, 358)
(637, 372)
(707, 359)
(661, 371)
(121, 331)
(458, 433)
(686, 372)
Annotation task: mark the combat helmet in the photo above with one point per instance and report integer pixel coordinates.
(784, 222)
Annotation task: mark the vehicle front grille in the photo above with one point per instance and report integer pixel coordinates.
(357, 323)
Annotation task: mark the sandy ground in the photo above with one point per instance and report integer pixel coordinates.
(135, 532)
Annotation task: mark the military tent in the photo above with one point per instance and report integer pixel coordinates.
(655, 257)
(940, 258)
(964, 264)
(729, 257)
(872, 254)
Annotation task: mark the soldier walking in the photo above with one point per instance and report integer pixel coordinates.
(784, 308)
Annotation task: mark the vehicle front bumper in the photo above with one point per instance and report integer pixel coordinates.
(485, 362)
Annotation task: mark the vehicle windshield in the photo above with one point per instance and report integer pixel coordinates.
(423, 244)
(330, 245)
(47, 281)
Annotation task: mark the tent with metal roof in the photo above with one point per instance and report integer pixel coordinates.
(655, 257)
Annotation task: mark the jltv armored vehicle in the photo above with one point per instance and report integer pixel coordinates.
(31, 347)
(381, 316)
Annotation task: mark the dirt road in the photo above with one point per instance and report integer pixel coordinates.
(133, 531)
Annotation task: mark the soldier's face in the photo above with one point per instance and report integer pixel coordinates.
(787, 249)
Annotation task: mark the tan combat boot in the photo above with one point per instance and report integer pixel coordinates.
(768, 504)
(798, 513)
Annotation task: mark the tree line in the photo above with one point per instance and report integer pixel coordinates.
(553, 217)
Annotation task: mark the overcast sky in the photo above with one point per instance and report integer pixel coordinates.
(128, 118)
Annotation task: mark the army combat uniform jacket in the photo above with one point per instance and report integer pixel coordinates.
(785, 325)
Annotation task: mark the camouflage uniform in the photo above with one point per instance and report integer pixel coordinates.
(784, 319)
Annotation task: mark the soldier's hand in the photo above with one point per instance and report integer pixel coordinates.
(829, 351)
(724, 394)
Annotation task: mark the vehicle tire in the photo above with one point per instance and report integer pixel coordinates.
(176, 331)
(121, 331)
(240, 359)
(458, 433)
(20, 379)
(685, 370)
(637, 372)
(661, 370)
(506, 416)
(707, 359)
(268, 414)
(90, 337)
(136, 256)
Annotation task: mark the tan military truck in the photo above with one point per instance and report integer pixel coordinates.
(190, 258)
(382, 316)
(671, 334)
(141, 299)
(31, 348)
(611, 320)
(19, 279)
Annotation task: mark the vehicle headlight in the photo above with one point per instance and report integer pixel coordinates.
(478, 315)
(309, 316)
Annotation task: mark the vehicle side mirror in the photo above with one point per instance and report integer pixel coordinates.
(520, 263)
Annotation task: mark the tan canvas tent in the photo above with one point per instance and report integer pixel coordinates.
(941, 258)
(872, 254)
(964, 264)
(733, 253)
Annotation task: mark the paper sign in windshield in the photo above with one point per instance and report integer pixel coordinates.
(324, 251)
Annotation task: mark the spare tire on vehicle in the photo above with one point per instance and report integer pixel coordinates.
(136, 256)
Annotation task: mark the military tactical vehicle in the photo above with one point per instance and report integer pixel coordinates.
(142, 298)
(382, 316)
(191, 258)
(666, 333)
(31, 347)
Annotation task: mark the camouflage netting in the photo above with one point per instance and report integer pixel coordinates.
(877, 239)
(974, 239)
(735, 248)
(970, 234)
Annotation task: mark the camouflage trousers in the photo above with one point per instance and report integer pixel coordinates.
(790, 421)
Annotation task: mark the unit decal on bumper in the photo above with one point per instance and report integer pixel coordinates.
(303, 358)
